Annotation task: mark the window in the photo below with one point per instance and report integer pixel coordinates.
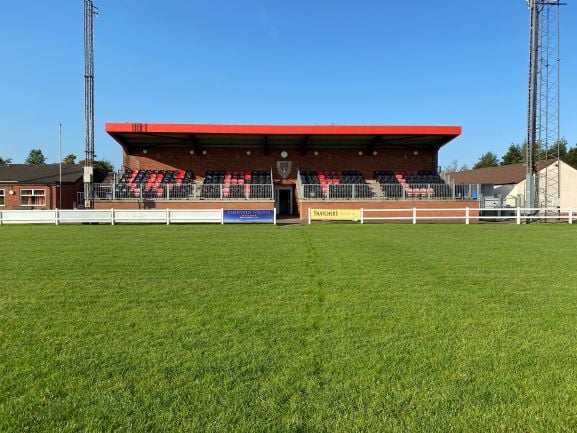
(32, 197)
(1, 197)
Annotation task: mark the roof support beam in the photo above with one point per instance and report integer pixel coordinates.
(195, 145)
(371, 146)
(304, 144)
(265, 144)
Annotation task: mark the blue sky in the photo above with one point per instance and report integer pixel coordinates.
(274, 62)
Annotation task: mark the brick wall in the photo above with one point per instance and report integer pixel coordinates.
(12, 200)
(163, 158)
(12, 196)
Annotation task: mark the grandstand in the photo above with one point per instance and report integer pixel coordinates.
(290, 168)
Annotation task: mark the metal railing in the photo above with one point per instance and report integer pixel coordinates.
(174, 192)
(397, 191)
(336, 192)
(430, 191)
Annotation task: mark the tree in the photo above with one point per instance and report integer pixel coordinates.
(101, 169)
(514, 155)
(452, 167)
(35, 157)
(103, 166)
(552, 152)
(488, 159)
(571, 157)
(563, 148)
(5, 160)
(69, 159)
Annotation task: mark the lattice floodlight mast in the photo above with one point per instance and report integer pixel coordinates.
(543, 132)
(90, 11)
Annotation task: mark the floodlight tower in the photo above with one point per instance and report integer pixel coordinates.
(542, 187)
(90, 11)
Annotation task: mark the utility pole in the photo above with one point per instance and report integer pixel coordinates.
(89, 13)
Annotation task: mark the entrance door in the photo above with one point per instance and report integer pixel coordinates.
(284, 200)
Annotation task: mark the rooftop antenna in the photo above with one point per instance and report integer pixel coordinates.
(90, 11)
(542, 186)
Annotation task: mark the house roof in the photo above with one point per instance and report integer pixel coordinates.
(200, 136)
(45, 174)
(500, 175)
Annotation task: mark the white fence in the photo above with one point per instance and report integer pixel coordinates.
(467, 215)
(112, 216)
(217, 216)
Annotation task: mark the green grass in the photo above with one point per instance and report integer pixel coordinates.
(323, 328)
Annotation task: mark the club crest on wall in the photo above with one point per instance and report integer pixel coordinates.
(284, 168)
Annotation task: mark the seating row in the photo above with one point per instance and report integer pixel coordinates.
(156, 177)
(242, 184)
(414, 177)
(335, 184)
(222, 177)
(349, 177)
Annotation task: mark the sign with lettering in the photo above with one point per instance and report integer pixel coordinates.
(336, 214)
(248, 216)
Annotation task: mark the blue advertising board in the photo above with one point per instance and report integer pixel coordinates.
(248, 216)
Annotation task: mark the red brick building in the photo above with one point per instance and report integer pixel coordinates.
(32, 187)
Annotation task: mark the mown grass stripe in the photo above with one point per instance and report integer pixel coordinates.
(313, 328)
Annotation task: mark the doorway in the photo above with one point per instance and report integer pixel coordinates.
(284, 198)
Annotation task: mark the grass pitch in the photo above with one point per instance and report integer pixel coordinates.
(326, 328)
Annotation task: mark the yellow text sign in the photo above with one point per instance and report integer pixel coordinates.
(336, 214)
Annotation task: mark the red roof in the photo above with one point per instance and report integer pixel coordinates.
(147, 134)
(281, 129)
